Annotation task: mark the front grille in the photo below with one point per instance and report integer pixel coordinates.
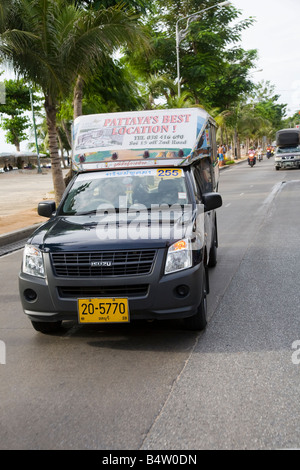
(140, 290)
(103, 263)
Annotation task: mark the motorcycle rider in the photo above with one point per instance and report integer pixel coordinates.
(259, 154)
(251, 157)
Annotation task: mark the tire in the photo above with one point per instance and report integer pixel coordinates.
(213, 253)
(198, 322)
(46, 327)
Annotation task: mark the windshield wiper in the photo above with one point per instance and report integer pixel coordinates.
(94, 211)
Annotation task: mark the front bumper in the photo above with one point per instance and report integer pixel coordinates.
(153, 296)
(287, 163)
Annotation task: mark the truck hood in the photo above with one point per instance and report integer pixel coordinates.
(85, 233)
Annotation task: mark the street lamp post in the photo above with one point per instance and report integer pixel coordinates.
(181, 34)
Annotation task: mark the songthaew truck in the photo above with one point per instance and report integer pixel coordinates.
(135, 233)
(287, 153)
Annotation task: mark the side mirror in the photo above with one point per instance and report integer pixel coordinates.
(46, 208)
(211, 201)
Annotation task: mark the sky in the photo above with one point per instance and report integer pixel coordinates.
(276, 36)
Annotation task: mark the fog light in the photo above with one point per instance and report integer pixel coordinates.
(182, 291)
(30, 295)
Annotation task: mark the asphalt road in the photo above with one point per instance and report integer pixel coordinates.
(155, 386)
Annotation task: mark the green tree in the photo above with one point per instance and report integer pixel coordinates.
(266, 104)
(51, 43)
(110, 86)
(213, 68)
(291, 121)
(15, 127)
(13, 120)
(139, 6)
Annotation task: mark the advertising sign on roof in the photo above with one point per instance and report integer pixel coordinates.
(136, 138)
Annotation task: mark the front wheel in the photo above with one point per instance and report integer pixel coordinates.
(46, 327)
(198, 322)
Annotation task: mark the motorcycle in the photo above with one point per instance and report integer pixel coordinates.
(251, 160)
(269, 154)
(260, 157)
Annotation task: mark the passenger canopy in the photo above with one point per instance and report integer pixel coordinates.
(138, 138)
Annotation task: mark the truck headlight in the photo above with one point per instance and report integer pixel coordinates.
(179, 256)
(33, 262)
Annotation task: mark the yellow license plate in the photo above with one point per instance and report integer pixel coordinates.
(103, 310)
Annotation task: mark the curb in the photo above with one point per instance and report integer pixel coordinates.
(226, 167)
(13, 237)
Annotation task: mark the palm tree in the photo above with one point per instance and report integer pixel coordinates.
(162, 86)
(221, 119)
(244, 123)
(185, 100)
(51, 43)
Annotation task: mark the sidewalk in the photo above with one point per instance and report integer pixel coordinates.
(240, 160)
(21, 191)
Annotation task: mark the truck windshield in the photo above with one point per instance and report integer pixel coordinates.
(121, 189)
(295, 149)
